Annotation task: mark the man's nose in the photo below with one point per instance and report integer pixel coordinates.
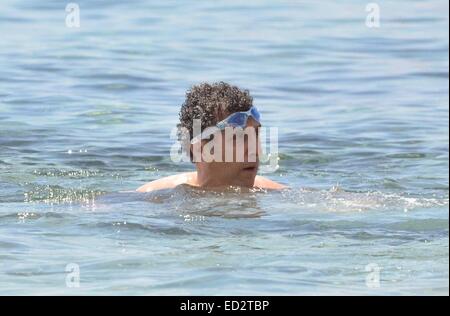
(252, 152)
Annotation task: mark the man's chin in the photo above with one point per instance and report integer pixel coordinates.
(247, 177)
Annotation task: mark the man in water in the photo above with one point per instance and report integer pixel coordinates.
(218, 107)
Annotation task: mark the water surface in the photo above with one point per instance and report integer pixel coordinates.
(86, 115)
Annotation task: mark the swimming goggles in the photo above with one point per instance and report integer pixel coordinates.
(238, 119)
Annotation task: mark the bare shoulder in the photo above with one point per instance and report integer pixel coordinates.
(189, 178)
(167, 182)
(265, 183)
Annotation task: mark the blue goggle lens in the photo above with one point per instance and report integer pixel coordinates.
(255, 114)
(238, 119)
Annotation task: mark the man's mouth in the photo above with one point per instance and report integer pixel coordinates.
(250, 169)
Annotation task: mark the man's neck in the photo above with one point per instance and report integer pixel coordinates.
(204, 180)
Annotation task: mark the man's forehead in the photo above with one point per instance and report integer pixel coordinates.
(224, 110)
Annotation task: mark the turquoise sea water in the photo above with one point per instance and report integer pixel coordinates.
(363, 119)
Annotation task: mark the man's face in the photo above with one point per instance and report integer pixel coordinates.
(238, 167)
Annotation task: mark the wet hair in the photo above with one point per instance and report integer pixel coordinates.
(212, 103)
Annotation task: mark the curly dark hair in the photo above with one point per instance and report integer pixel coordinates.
(212, 103)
